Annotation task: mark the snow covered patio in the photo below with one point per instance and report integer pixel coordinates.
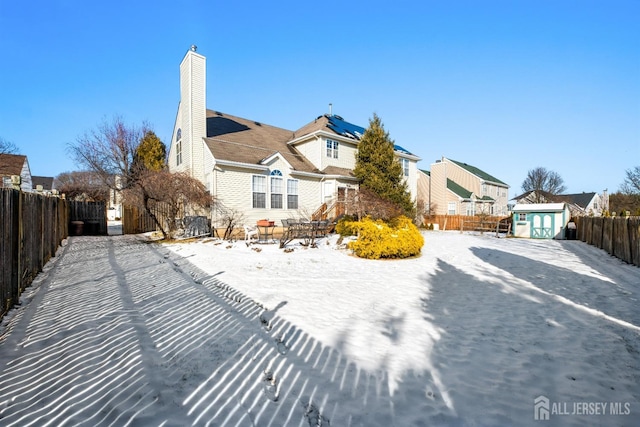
(121, 332)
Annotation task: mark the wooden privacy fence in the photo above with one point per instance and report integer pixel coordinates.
(136, 220)
(618, 236)
(468, 222)
(92, 215)
(32, 228)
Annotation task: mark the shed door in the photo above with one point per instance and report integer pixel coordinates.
(542, 226)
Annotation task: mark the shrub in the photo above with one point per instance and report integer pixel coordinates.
(344, 227)
(399, 238)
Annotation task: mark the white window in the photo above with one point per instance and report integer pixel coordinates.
(332, 148)
(522, 217)
(259, 190)
(276, 192)
(292, 194)
(470, 209)
(179, 153)
(451, 208)
(405, 166)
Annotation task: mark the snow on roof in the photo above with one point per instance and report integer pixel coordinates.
(539, 207)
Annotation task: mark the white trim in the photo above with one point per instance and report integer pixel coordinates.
(407, 156)
(321, 133)
(242, 165)
(275, 155)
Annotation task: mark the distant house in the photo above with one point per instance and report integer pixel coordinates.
(263, 171)
(43, 184)
(456, 188)
(580, 204)
(12, 166)
(541, 220)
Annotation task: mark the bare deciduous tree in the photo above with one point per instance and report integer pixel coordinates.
(109, 151)
(82, 185)
(174, 190)
(540, 181)
(7, 147)
(365, 202)
(631, 184)
(228, 218)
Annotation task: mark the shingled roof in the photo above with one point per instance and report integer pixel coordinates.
(337, 125)
(462, 192)
(580, 199)
(11, 164)
(479, 173)
(236, 139)
(241, 140)
(458, 189)
(45, 181)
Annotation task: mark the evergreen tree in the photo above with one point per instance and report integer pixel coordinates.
(378, 168)
(150, 154)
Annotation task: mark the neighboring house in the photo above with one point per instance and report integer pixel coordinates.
(114, 212)
(541, 220)
(456, 188)
(262, 171)
(14, 165)
(580, 204)
(43, 184)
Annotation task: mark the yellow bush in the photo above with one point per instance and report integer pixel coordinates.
(399, 238)
(344, 227)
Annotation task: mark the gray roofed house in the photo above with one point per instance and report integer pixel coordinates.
(45, 182)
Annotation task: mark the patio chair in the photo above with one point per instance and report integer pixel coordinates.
(323, 227)
(250, 230)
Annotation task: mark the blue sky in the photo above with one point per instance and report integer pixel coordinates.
(506, 86)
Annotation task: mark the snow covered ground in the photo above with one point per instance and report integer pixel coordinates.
(215, 333)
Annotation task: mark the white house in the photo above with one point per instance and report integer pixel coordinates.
(15, 172)
(541, 220)
(264, 171)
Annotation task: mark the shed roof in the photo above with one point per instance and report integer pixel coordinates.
(540, 207)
